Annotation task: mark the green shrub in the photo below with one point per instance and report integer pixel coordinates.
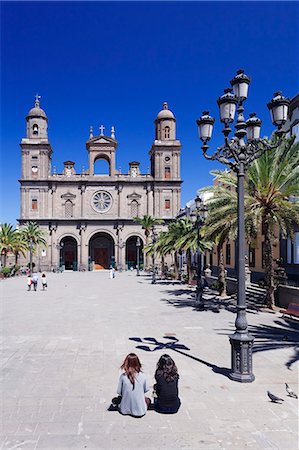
(6, 271)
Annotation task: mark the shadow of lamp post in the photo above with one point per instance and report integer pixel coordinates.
(237, 154)
(198, 217)
(138, 244)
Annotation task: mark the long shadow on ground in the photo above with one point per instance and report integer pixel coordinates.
(174, 345)
(212, 302)
(282, 334)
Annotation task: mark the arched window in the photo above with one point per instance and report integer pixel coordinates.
(167, 132)
(35, 129)
(167, 173)
(134, 208)
(68, 208)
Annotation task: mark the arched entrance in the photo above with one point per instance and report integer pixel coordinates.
(131, 252)
(101, 252)
(68, 258)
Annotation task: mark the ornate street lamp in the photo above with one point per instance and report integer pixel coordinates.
(154, 240)
(197, 218)
(237, 154)
(138, 244)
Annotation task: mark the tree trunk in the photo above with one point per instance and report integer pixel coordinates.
(162, 267)
(269, 267)
(146, 268)
(16, 258)
(188, 260)
(4, 257)
(176, 266)
(221, 272)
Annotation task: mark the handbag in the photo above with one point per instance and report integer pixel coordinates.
(116, 400)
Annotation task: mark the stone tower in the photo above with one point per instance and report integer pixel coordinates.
(165, 164)
(36, 161)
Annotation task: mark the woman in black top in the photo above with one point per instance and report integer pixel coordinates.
(166, 388)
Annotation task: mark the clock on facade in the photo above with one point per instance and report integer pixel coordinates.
(101, 201)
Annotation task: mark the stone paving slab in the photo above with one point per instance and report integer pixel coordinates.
(61, 351)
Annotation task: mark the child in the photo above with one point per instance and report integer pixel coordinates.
(29, 282)
(44, 281)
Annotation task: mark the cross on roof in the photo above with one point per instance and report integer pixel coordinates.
(102, 128)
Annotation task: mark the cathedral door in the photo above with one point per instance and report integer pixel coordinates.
(101, 260)
(68, 253)
(101, 251)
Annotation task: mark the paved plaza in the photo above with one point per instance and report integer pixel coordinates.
(62, 349)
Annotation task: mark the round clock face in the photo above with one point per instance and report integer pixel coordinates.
(167, 158)
(101, 201)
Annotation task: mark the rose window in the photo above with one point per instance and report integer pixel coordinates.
(101, 201)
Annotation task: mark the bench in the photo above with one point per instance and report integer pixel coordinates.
(292, 310)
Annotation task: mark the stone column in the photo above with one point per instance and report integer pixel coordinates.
(52, 230)
(82, 190)
(82, 229)
(53, 191)
(119, 188)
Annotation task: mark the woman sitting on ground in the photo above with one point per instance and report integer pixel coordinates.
(132, 387)
(167, 400)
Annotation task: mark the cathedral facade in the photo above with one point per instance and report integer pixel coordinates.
(88, 218)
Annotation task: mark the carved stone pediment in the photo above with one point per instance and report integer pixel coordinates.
(68, 196)
(134, 196)
(101, 140)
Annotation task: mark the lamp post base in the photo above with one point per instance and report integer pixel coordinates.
(199, 303)
(241, 357)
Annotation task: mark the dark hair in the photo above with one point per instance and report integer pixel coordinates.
(131, 366)
(167, 368)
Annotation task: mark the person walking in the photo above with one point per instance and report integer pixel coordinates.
(131, 388)
(35, 280)
(166, 388)
(29, 282)
(44, 281)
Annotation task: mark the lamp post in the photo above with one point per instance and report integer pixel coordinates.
(154, 240)
(59, 247)
(198, 220)
(138, 244)
(30, 254)
(237, 154)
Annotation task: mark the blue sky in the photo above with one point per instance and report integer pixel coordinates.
(115, 63)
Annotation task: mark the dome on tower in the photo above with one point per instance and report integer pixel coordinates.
(37, 111)
(165, 113)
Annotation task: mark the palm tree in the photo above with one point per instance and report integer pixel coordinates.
(7, 235)
(188, 242)
(181, 236)
(271, 183)
(33, 236)
(19, 245)
(147, 222)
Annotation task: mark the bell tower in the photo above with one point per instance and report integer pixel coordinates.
(36, 149)
(165, 155)
(165, 151)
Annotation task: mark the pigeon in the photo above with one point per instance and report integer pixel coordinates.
(290, 392)
(273, 398)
